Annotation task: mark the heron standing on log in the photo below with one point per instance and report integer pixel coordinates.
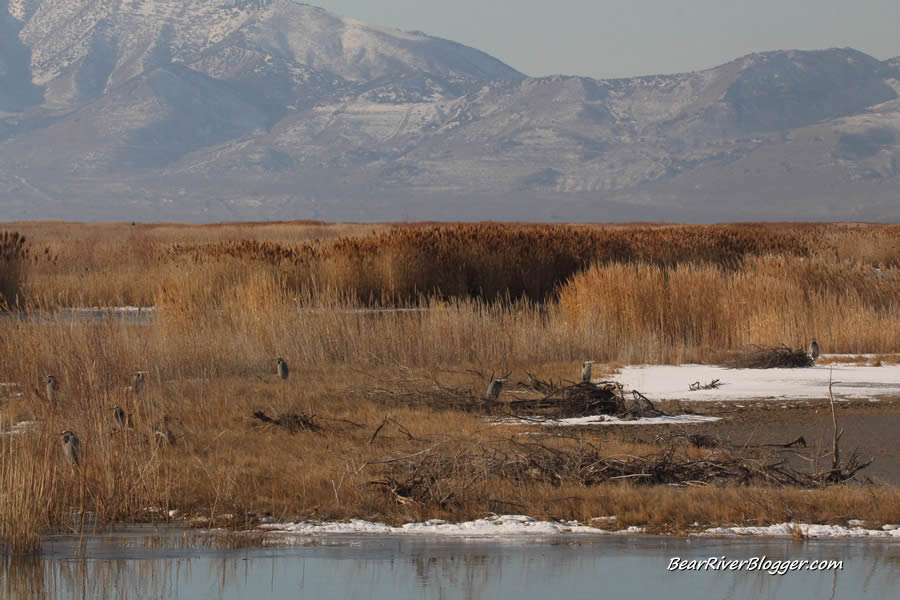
(494, 388)
(282, 367)
(586, 371)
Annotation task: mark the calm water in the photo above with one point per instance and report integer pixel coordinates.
(164, 564)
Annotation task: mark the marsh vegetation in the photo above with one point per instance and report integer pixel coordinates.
(490, 299)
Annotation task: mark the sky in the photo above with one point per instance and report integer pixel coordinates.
(622, 38)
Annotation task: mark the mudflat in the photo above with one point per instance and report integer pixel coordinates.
(872, 429)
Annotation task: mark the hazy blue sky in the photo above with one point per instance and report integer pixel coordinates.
(610, 38)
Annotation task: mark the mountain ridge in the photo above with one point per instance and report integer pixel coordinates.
(272, 109)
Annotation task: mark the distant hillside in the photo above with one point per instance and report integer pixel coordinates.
(269, 109)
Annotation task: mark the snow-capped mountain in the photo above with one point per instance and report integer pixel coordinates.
(258, 109)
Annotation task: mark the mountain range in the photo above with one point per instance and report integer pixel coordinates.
(269, 109)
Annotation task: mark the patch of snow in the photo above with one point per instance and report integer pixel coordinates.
(493, 526)
(156, 510)
(848, 380)
(811, 531)
(314, 528)
(610, 420)
(20, 427)
(9, 390)
(114, 309)
(632, 529)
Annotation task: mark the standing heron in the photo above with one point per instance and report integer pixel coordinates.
(163, 432)
(282, 367)
(70, 444)
(137, 382)
(52, 389)
(494, 387)
(121, 418)
(586, 371)
(814, 349)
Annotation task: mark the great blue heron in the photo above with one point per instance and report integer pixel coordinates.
(282, 367)
(121, 418)
(163, 433)
(70, 444)
(586, 371)
(137, 382)
(814, 349)
(52, 389)
(494, 388)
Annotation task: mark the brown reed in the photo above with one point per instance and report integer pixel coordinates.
(13, 255)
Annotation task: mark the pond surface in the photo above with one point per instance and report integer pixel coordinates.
(165, 563)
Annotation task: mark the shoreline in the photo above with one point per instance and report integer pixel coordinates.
(521, 526)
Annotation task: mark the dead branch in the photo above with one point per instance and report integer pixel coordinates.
(377, 430)
(712, 385)
(292, 422)
(800, 442)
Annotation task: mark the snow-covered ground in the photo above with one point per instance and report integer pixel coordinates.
(610, 420)
(849, 381)
(809, 531)
(493, 526)
(113, 309)
(516, 526)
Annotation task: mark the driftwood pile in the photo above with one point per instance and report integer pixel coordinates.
(575, 400)
(533, 400)
(445, 473)
(435, 477)
(770, 357)
(585, 399)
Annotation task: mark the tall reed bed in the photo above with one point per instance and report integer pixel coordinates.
(26, 489)
(490, 294)
(689, 308)
(375, 265)
(13, 259)
(487, 261)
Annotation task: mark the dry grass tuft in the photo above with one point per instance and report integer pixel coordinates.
(13, 256)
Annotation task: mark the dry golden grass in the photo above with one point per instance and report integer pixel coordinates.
(104, 264)
(27, 483)
(767, 301)
(226, 465)
(494, 298)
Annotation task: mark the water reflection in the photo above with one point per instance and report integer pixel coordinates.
(176, 565)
